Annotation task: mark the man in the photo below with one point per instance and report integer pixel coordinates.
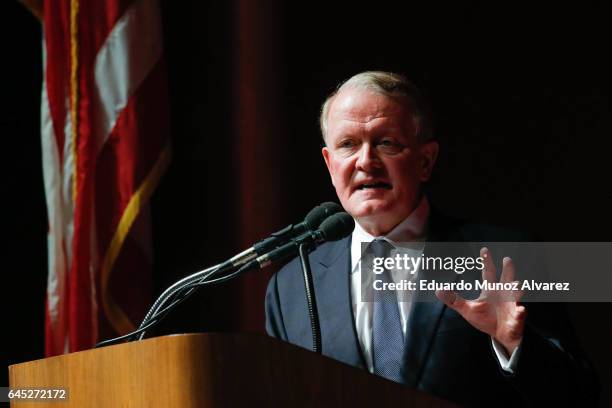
(379, 151)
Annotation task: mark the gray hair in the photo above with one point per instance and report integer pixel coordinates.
(393, 86)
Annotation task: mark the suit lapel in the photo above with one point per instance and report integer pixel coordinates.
(425, 314)
(334, 301)
(423, 322)
(331, 277)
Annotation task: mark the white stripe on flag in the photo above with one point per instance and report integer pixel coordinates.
(125, 59)
(53, 195)
(67, 172)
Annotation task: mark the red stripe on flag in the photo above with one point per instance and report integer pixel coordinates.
(97, 19)
(57, 71)
(131, 151)
(124, 163)
(81, 325)
(134, 147)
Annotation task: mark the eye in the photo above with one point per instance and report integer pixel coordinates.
(346, 144)
(389, 145)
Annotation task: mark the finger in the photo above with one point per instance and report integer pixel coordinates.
(520, 313)
(488, 272)
(514, 329)
(452, 300)
(518, 294)
(508, 271)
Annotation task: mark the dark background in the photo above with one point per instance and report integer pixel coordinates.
(521, 105)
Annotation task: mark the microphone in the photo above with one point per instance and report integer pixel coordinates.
(332, 228)
(337, 226)
(311, 222)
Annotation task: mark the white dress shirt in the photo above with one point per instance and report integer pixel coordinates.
(412, 229)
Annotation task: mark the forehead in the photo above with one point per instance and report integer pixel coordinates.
(362, 109)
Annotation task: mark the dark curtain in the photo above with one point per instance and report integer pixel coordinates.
(521, 106)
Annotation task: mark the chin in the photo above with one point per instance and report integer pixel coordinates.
(369, 208)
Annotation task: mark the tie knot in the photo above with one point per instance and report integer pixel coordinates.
(381, 248)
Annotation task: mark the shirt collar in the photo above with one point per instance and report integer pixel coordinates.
(413, 228)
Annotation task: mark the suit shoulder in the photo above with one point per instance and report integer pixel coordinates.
(321, 255)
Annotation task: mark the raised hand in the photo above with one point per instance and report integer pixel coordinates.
(495, 312)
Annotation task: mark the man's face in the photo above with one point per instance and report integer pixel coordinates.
(374, 159)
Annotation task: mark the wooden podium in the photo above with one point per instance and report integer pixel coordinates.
(209, 370)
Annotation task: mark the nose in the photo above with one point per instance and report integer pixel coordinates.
(368, 158)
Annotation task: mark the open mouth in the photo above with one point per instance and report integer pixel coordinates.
(385, 186)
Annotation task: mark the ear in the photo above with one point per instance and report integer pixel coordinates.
(429, 154)
(327, 157)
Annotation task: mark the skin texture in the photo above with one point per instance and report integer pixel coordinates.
(496, 313)
(372, 142)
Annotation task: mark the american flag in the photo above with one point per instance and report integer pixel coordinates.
(105, 138)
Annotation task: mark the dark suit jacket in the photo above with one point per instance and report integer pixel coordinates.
(444, 355)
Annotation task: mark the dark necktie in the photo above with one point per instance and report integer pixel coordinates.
(387, 335)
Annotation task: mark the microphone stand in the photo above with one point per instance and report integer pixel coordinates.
(333, 228)
(311, 299)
